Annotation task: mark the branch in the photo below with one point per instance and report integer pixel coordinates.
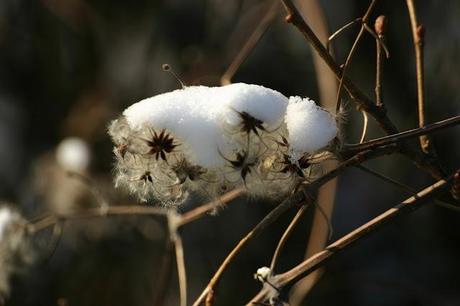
(44, 222)
(295, 199)
(364, 102)
(400, 137)
(287, 279)
(418, 33)
(352, 52)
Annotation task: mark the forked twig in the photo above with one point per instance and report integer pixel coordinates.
(366, 104)
(287, 279)
(352, 52)
(400, 137)
(295, 199)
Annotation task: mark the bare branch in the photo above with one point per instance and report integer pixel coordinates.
(418, 34)
(285, 236)
(400, 137)
(287, 279)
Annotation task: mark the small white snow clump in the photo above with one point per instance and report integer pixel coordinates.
(73, 154)
(309, 126)
(211, 139)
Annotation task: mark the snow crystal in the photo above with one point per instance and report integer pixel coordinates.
(309, 126)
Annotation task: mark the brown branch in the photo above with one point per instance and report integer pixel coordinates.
(202, 210)
(259, 228)
(44, 222)
(181, 271)
(364, 102)
(287, 279)
(351, 149)
(327, 85)
(249, 45)
(285, 237)
(379, 27)
(161, 285)
(352, 52)
(418, 38)
(295, 199)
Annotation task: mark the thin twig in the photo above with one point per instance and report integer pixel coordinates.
(339, 31)
(379, 26)
(181, 272)
(352, 52)
(259, 228)
(206, 208)
(295, 199)
(399, 137)
(388, 179)
(287, 279)
(251, 42)
(363, 101)
(406, 188)
(164, 278)
(418, 38)
(285, 236)
(320, 228)
(49, 220)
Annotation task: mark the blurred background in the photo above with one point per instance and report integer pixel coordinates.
(69, 67)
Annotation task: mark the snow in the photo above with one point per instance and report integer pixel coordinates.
(231, 134)
(196, 116)
(310, 127)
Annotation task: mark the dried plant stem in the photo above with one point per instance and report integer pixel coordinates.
(380, 30)
(418, 38)
(400, 137)
(49, 220)
(251, 42)
(287, 279)
(181, 272)
(387, 179)
(202, 210)
(327, 84)
(339, 31)
(259, 228)
(164, 274)
(295, 199)
(364, 103)
(285, 237)
(352, 52)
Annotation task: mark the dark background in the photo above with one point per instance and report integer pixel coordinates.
(69, 67)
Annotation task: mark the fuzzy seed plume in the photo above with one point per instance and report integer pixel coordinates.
(211, 139)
